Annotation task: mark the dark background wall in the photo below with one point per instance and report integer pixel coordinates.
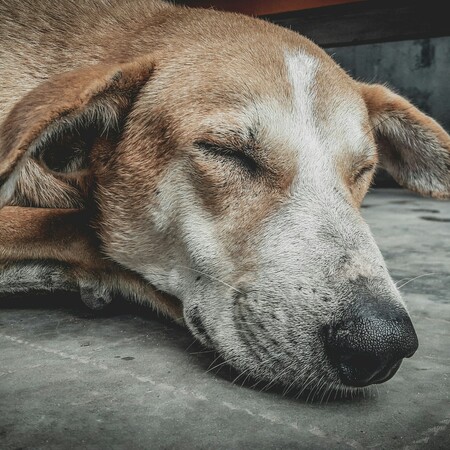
(419, 70)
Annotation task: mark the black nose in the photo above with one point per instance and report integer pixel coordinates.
(369, 345)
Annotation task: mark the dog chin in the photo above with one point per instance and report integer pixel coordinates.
(275, 370)
(313, 380)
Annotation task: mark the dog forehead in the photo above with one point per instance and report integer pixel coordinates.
(326, 109)
(272, 81)
(227, 59)
(303, 87)
(318, 114)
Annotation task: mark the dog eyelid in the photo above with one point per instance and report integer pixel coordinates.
(364, 170)
(240, 156)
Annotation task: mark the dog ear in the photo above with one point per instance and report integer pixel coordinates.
(413, 148)
(57, 123)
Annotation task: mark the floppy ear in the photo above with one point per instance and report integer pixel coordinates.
(413, 148)
(57, 123)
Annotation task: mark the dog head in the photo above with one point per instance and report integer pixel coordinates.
(228, 167)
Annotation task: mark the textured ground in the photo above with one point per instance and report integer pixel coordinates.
(125, 379)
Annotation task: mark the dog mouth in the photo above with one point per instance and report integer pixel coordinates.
(196, 324)
(257, 367)
(263, 359)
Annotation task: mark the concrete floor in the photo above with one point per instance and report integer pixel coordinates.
(70, 378)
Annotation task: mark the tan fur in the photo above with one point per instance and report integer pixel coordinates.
(92, 79)
(408, 139)
(34, 234)
(78, 94)
(117, 107)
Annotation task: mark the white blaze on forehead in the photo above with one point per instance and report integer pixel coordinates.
(302, 69)
(299, 123)
(302, 127)
(339, 127)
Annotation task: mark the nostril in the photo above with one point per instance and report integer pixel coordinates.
(364, 369)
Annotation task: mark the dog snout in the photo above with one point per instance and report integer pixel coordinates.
(368, 346)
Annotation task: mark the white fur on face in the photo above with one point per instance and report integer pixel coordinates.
(320, 133)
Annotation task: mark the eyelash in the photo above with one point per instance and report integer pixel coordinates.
(240, 157)
(363, 172)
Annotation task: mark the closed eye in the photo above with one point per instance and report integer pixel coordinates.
(362, 172)
(240, 156)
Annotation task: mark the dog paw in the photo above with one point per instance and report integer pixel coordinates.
(94, 295)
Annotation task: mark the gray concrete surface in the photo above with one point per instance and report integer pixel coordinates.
(70, 378)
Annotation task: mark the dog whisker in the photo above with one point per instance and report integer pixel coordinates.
(203, 352)
(293, 383)
(306, 384)
(190, 345)
(415, 278)
(277, 377)
(213, 279)
(248, 371)
(215, 359)
(218, 366)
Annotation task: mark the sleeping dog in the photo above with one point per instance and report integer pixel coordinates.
(211, 165)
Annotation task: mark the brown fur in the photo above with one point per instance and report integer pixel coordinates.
(34, 234)
(411, 145)
(128, 70)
